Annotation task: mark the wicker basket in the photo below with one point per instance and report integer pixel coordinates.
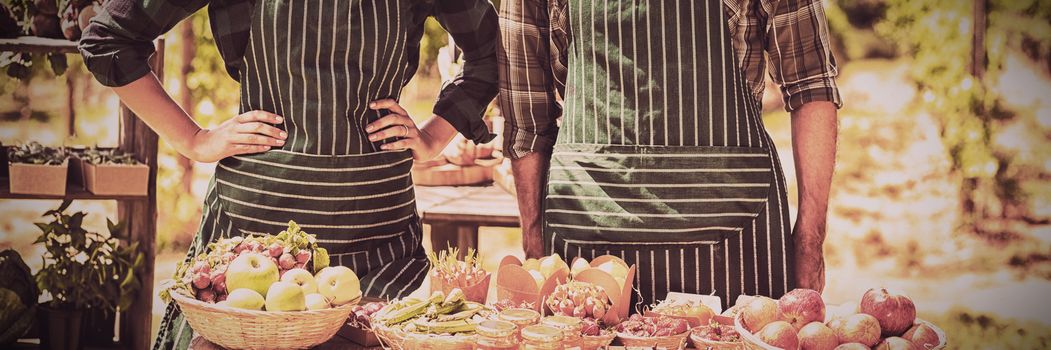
(234, 328)
(595, 342)
(706, 344)
(666, 342)
(391, 338)
(753, 342)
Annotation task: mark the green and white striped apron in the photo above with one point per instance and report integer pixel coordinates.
(662, 158)
(318, 64)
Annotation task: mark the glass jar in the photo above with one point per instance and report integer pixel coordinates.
(520, 318)
(570, 327)
(495, 335)
(540, 337)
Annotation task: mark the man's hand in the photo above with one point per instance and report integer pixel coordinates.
(814, 129)
(530, 174)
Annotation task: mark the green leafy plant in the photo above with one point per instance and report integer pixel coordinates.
(95, 155)
(35, 153)
(84, 269)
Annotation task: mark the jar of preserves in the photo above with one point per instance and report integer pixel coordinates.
(540, 337)
(570, 327)
(520, 318)
(495, 335)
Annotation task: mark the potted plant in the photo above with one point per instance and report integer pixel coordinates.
(18, 298)
(111, 172)
(82, 271)
(36, 169)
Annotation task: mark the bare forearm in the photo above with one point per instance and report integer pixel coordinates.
(814, 129)
(148, 99)
(530, 174)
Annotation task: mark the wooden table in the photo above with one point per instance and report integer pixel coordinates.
(456, 212)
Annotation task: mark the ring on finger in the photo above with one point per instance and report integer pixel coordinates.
(406, 133)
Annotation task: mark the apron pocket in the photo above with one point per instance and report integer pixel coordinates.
(653, 195)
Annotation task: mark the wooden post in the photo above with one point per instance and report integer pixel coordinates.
(978, 39)
(140, 215)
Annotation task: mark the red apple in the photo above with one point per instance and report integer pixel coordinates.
(817, 336)
(759, 312)
(852, 346)
(858, 328)
(780, 334)
(802, 306)
(895, 312)
(923, 336)
(896, 343)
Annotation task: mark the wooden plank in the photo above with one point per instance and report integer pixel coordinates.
(35, 44)
(483, 206)
(140, 215)
(73, 191)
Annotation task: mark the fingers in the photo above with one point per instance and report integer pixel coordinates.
(261, 129)
(255, 139)
(246, 149)
(399, 145)
(389, 120)
(390, 104)
(397, 130)
(259, 116)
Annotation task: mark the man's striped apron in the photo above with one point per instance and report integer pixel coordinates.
(318, 64)
(662, 157)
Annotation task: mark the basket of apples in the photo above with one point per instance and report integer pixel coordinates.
(798, 320)
(589, 303)
(273, 292)
(653, 332)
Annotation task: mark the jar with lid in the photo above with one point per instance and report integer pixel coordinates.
(520, 318)
(495, 335)
(540, 337)
(570, 327)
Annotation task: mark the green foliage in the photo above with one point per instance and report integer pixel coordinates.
(18, 297)
(938, 34)
(35, 153)
(973, 330)
(95, 155)
(84, 269)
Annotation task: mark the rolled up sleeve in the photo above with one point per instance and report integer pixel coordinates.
(800, 55)
(532, 72)
(118, 42)
(463, 100)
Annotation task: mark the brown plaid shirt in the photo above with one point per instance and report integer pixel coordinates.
(791, 36)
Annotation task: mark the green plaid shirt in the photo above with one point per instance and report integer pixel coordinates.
(119, 41)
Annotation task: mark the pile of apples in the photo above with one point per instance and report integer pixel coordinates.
(542, 269)
(269, 272)
(882, 320)
(615, 267)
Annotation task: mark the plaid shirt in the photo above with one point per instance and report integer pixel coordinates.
(118, 43)
(791, 35)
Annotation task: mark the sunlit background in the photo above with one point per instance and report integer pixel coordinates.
(941, 187)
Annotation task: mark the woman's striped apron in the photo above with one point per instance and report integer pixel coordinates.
(662, 157)
(318, 64)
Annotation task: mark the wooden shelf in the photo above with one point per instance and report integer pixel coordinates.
(72, 192)
(36, 44)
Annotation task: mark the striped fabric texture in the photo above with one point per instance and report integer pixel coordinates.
(662, 157)
(789, 36)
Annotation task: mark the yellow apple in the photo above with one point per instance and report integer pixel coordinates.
(316, 301)
(615, 269)
(303, 278)
(253, 271)
(338, 284)
(578, 266)
(550, 264)
(285, 296)
(244, 298)
(531, 264)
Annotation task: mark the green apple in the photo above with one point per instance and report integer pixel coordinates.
(303, 278)
(244, 298)
(253, 271)
(550, 264)
(531, 264)
(285, 296)
(316, 301)
(338, 284)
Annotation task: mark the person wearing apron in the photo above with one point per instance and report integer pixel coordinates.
(657, 153)
(339, 166)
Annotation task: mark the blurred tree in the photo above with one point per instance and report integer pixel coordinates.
(940, 35)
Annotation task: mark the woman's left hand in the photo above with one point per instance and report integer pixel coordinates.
(424, 145)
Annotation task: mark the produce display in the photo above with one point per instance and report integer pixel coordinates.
(579, 299)
(361, 315)
(449, 272)
(797, 320)
(717, 332)
(543, 268)
(652, 326)
(439, 314)
(271, 273)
